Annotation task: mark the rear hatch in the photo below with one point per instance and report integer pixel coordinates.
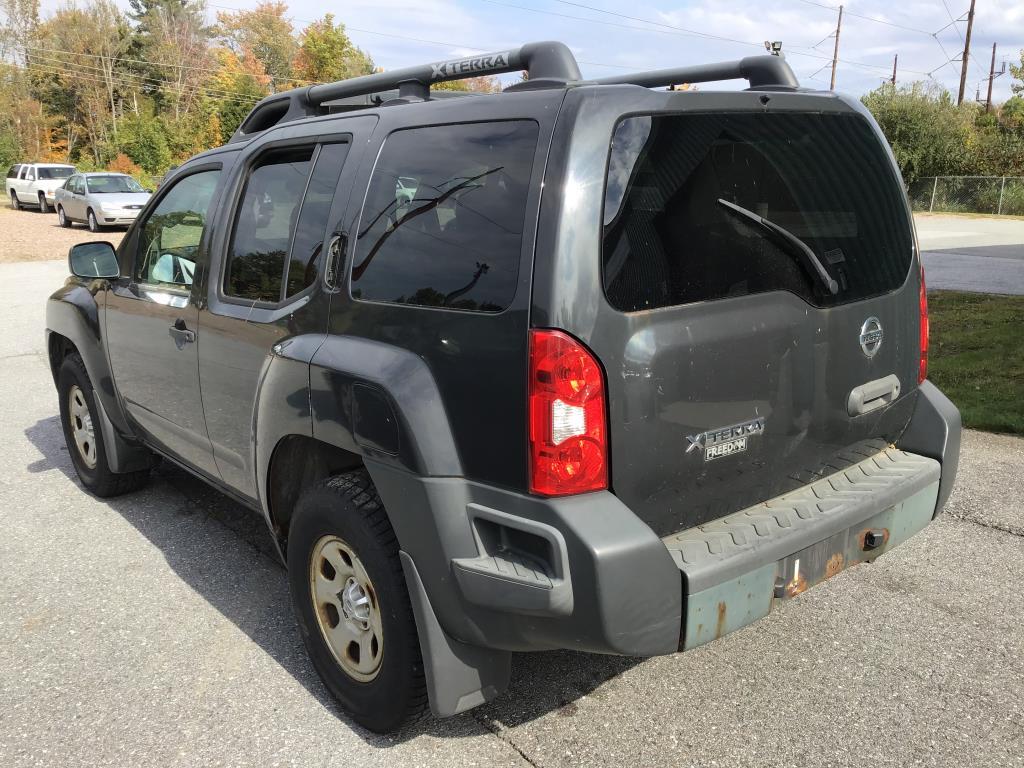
(758, 328)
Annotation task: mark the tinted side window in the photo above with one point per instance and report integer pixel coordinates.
(306, 253)
(13, 171)
(170, 238)
(264, 225)
(443, 220)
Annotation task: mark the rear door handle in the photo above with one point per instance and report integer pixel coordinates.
(873, 395)
(181, 334)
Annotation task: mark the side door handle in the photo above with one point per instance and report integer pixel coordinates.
(336, 248)
(181, 334)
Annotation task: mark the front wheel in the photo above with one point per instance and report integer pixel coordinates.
(350, 600)
(62, 218)
(84, 437)
(94, 226)
(43, 207)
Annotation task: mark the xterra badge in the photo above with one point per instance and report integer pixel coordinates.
(725, 441)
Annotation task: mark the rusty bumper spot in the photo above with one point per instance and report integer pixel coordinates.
(834, 565)
(720, 625)
(796, 586)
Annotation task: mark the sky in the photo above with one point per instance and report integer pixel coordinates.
(611, 38)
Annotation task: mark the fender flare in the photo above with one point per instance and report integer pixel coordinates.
(382, 402)
(73, 312)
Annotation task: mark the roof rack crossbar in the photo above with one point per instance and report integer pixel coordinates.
(549, 60)
(547, 64)
(758, 71)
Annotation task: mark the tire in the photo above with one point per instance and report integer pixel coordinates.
(76, 401)
(344, 516)
(15, 202)
(43, 207)
(62, 217)
(90, 219)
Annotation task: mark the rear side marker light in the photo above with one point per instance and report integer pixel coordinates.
(568, 420)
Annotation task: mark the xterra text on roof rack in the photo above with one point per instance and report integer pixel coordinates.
(578, 365)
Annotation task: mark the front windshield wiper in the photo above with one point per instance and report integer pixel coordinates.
(809, 259)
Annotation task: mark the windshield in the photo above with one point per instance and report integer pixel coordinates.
(60, 172)
(103, 184)
(676, 184)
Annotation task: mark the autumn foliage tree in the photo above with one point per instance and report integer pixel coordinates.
(326, 53)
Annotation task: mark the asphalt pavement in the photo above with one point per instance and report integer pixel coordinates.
(154, 630)
(979, 254)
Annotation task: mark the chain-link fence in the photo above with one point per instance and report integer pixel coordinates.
(1001, 195)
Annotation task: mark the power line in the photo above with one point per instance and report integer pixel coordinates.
(866, 18)
(95, 74)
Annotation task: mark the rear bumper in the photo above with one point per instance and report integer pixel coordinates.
(735, 568)
(492, 571)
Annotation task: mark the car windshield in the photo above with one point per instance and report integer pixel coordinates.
(102, 184)
(60, 172)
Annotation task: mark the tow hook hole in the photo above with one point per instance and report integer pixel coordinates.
(873, 539)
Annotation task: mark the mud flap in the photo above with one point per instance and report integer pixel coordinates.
(459, 676)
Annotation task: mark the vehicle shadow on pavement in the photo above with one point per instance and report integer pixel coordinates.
(224, 552)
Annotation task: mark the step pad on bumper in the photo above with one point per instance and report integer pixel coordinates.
(736, 566)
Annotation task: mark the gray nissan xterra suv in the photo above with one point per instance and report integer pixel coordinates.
(583, 364)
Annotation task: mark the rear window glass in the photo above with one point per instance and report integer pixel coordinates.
(443, 221)
(61, 172)
(685, 194)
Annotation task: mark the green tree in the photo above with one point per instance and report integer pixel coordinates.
(929, 134)
(326, 53)
(143, 139)
(1017, 70)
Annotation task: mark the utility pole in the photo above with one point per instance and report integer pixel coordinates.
(991, 77)
(835, 52)
(966, 56)
(895, 58)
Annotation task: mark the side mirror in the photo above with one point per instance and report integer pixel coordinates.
(92, 260)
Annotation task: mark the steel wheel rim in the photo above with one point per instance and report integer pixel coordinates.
(80, 421)
(347, 609)
(92, 220)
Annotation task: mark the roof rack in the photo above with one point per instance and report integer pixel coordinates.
(761, 72)
(548, 65)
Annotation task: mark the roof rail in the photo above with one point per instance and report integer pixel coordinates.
(547, 64)
(769, 72)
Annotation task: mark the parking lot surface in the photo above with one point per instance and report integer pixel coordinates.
(154, 630)
(972, 253)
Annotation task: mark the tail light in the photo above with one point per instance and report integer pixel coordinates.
(922, 371)
(568, 423)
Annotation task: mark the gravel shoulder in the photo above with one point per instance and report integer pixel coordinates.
(29, 235)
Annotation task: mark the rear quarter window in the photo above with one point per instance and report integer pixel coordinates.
(669, 237)
(442, 225)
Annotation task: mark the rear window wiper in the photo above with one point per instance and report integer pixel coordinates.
(809, 258)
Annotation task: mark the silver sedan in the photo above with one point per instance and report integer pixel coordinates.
(100, 200)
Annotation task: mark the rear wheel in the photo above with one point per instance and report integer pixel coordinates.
(90, 218)
(43, 207)
(351, 603)
(84, 438)
(62, 217)
(15, 202)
